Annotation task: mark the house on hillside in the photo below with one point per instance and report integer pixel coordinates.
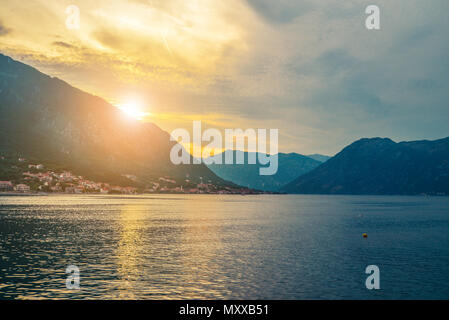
(66, 176)
(129, 190)
(36, 166)
(56, 188)
(69, 190)
(79, 190)
(22, 188)
(6, 186)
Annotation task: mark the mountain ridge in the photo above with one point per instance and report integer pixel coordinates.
(290, 165)
(318, 157)
(46, 118)
(380, 166)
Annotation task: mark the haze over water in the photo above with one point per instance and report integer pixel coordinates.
(224, 247)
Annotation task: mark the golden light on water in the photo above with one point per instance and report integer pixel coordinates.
(155, 248)
(129, 250)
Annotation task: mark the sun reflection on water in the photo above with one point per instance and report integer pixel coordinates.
(129, 249)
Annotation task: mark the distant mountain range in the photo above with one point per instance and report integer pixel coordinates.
(318, 157)
(380, 166)
(290, 166)
(46, 119)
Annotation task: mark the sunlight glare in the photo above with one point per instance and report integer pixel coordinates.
(133, 109)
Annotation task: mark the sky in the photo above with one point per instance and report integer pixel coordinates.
(308, 68)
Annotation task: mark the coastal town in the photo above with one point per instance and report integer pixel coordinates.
(36, 178)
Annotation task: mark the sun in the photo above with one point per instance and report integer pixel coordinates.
(133, 109)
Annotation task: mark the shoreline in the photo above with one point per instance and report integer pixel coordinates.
(36, 194)
(31, 194)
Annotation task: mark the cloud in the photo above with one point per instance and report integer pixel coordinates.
(309, 68)
(109, 39)
(63, 44)
(4, 30)
(350, 82)
(280, 11)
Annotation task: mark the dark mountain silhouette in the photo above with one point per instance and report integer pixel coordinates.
(380, 166)
(290, 166)
(48, 120)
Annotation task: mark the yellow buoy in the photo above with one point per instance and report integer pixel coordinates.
(365, 235)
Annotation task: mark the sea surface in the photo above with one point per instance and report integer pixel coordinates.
(224, 247)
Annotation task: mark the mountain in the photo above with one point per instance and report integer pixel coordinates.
(381, 166)
(47, 120)
(318, 157)
(290, 166)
